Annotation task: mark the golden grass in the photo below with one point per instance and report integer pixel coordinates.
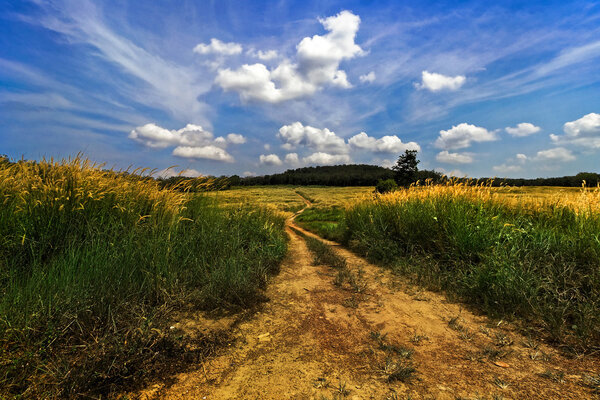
(582, 200)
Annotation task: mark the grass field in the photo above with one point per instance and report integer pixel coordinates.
(528, 252)
(534, 254)
(92, 264)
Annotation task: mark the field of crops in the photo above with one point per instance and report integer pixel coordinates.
(92, 264)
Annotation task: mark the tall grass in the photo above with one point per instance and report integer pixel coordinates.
(536, 260)
(92, 261)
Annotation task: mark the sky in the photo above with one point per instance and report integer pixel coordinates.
(507, 89)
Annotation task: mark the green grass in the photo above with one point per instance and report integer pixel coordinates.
(92, 264)
(539, 264)
(324, 221)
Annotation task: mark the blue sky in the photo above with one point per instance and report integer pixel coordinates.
(240, 87)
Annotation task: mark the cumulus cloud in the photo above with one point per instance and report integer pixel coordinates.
(192, 141)
(292, 159)
(321, 158)
(263, 55)
(169, 172)
(521, 157)
(249, 173)
(584, 131)
(317, 65)
(386, 144)
(209, 152)
(454, 158)
(235, 138)
(435, 82)
(462, 135)
(387, 163)
(322, 140)
(507, 168)
(367, 78)
(455, 172)
(523, 129)
(270, 159)
(218, 47)
(557, 154)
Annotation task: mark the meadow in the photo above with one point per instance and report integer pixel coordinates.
(529, 254)
(93, 263)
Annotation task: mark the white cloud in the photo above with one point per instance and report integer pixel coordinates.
(169, 172)
(512, 165)
(209, 152)
(557, 154)
(455, 172)
(367, 78)
(155, 136)
(322, 140)
(164, 84)
(249, 173)
(218, 47)
(584, 131)
(586, 126)
(270, 159)
(292, 159)
(235, 138)
(317, 65)
(263, 55)
(523, 129)
(192, 141)
(507, 168)
(521, 157)
(388, 163)
(387, 144)
(321, 158)
(461, 136)
(454, 158)
(435, 82)
(267, 146)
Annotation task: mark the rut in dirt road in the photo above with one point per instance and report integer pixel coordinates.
(376, 339)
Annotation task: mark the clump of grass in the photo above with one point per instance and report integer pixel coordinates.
(93, 261)
(398, 370)
(537, 261)
(555, 376)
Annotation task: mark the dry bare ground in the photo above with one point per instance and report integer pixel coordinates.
(315, 340)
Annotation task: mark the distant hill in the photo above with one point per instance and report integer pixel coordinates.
(368, 175)
(336, 175)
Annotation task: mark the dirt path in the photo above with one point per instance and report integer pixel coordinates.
(314, 340)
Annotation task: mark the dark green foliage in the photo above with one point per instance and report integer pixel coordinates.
(541, 265)
(406, 168)
(337, 175)
(386, 186)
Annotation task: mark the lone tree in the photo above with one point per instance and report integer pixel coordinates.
(406, 168)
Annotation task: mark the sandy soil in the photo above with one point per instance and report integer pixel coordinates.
(315, 340)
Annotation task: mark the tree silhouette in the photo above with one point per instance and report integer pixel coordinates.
(406, 169)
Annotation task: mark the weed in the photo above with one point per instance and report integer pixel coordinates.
(417, 339)
(593, 382)
(502, 340)
(558, 376)
(341, 390)
(502, 384)
(398, 370)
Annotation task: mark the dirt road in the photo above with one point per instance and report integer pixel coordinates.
(389, 340)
